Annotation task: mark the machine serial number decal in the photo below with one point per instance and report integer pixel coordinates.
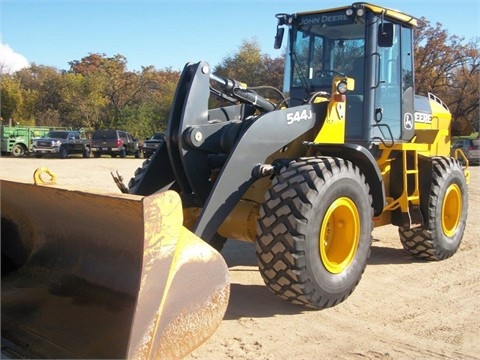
(298, 116)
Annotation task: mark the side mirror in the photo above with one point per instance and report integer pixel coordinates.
(283, 19)
(385, 34)
(279, 37)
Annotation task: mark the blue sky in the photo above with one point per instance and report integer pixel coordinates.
(172, 33)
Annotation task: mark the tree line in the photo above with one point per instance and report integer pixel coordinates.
(99, 92)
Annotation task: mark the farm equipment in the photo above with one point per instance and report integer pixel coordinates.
(306, 178)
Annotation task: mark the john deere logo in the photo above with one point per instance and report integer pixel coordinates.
(408, 121)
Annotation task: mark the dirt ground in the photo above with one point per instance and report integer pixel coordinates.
(402, 309)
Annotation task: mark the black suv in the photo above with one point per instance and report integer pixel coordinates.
(113, 143)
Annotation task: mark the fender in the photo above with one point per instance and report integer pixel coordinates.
(362, 158)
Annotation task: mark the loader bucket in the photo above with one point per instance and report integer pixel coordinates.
(90, 275)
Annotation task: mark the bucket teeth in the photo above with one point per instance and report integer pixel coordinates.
(118, 178)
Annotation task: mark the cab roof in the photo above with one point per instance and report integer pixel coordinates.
(395, 14)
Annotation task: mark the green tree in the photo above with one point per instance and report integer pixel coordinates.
(17, 103)
(246, 65)
(158, 89)
(43, 83)
(82, 100)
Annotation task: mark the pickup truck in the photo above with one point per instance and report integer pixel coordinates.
(114, 143)
(151, 145)
(62, 143)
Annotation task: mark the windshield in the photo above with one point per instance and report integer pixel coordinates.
(326, 45)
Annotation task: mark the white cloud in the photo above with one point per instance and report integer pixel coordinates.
(10, 61)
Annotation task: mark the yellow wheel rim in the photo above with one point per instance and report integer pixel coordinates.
(339, 235)
(451, 210)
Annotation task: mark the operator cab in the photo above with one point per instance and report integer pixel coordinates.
(370, 44)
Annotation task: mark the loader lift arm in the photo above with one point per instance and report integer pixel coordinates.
(197, 138)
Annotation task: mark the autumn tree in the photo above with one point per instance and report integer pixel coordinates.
(117, 85)
(250, 66)
(136, 101)
(450, 68)
(149, 113)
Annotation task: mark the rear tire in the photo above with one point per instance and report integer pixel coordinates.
(446, 217)
(314, 231)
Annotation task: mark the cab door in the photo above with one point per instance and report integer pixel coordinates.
(394, 92)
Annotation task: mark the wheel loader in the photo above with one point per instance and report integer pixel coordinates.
(305, 174)
(308, 172)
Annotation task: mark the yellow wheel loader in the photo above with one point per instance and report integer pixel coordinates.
(306, 176)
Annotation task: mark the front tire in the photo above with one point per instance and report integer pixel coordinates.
(87, 152)
(63, 154)
(18, 150)
(445, 214)
(314, 231)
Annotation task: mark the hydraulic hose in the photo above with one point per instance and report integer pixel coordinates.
(238, 90)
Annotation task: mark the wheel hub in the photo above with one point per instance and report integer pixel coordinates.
(339, 235)
(451, 210)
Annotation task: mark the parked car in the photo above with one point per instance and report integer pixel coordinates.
(62, 143)
(471, 149)
(114, 143)
(151, 145)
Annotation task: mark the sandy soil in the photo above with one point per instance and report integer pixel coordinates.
(402, 309)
